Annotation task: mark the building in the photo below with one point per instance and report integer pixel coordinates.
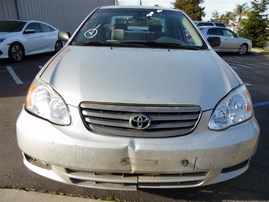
(65, 15)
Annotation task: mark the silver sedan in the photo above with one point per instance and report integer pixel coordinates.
(130, 102)
(229, 41)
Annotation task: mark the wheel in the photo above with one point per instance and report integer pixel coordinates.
(243, 49)
(58, 46)
(16, 52)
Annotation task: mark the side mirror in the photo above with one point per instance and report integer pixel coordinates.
(214, 41)
(64, 36)
(29, 31)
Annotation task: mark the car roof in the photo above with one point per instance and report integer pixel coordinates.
(212, 27)
(139, 7)
(207, 22)
(15, 20)
(29, 21)
(26, 21)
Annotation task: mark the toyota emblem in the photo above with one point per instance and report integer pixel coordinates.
(139, 121)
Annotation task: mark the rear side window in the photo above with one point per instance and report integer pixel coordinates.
(46, 28)
(205, 24)
(219, 24)
(215, 31)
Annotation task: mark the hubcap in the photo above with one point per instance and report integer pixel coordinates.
(243, 49)
(16, 53)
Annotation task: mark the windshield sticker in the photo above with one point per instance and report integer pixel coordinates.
(150, 14)
(91, 32)
(109, 26)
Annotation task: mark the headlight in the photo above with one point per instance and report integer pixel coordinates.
(235, 108)
(45, 102)
(1, 40)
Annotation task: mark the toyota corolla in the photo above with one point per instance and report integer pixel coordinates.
(137, 98)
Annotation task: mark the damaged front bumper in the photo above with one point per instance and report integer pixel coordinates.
(73, 155)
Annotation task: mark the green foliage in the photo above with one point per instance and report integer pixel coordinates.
(215, 16)
(241, 10)
(191, 7)
(227, 17)
(256, 26)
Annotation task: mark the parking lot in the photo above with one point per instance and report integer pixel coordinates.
(15, 79)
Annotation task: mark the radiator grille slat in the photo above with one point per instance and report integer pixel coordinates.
(165, 120)
(125, 181)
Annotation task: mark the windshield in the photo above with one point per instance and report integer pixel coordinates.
(139, 27)
(11, 26)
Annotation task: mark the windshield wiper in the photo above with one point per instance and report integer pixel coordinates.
(136, 44)
(158, 44)
(91, 43)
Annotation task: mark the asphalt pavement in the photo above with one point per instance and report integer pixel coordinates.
(15, 195)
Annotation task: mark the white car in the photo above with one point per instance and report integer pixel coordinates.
(19, 38)
(229, 41)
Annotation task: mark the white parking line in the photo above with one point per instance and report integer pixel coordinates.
(14, 75)
(247, 84)
(241, 65)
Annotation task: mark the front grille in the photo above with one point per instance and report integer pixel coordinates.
(125, 181)
(165, 120)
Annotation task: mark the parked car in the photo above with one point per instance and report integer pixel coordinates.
(19, 38)
(201, 23)
(229, 41)
(130, 102)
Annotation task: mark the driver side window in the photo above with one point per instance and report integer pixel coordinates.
(34, 26)
(228, 33)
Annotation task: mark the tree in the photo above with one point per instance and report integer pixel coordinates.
(215, 16)
(255, 27)
(191, 7)
(227, 18)
(241, 10)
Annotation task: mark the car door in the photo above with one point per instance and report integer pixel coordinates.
(33, 42)
(217, 32)
(49, 36)
(230, 40)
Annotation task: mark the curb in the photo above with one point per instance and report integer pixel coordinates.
(258, 52)
(14, 195)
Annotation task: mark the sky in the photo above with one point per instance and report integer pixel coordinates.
(210, 5)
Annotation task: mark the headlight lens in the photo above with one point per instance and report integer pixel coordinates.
(1, 40)
(235, 108)
(46, 103)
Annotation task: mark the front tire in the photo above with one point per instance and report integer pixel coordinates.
(16, 52)
(58, 46)
(243, 49)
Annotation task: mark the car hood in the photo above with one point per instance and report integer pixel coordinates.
(7, 34)
(3, 34)
(141, 76)
(245, 40)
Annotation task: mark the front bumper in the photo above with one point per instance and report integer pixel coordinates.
(73, 155)
(3, 50)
